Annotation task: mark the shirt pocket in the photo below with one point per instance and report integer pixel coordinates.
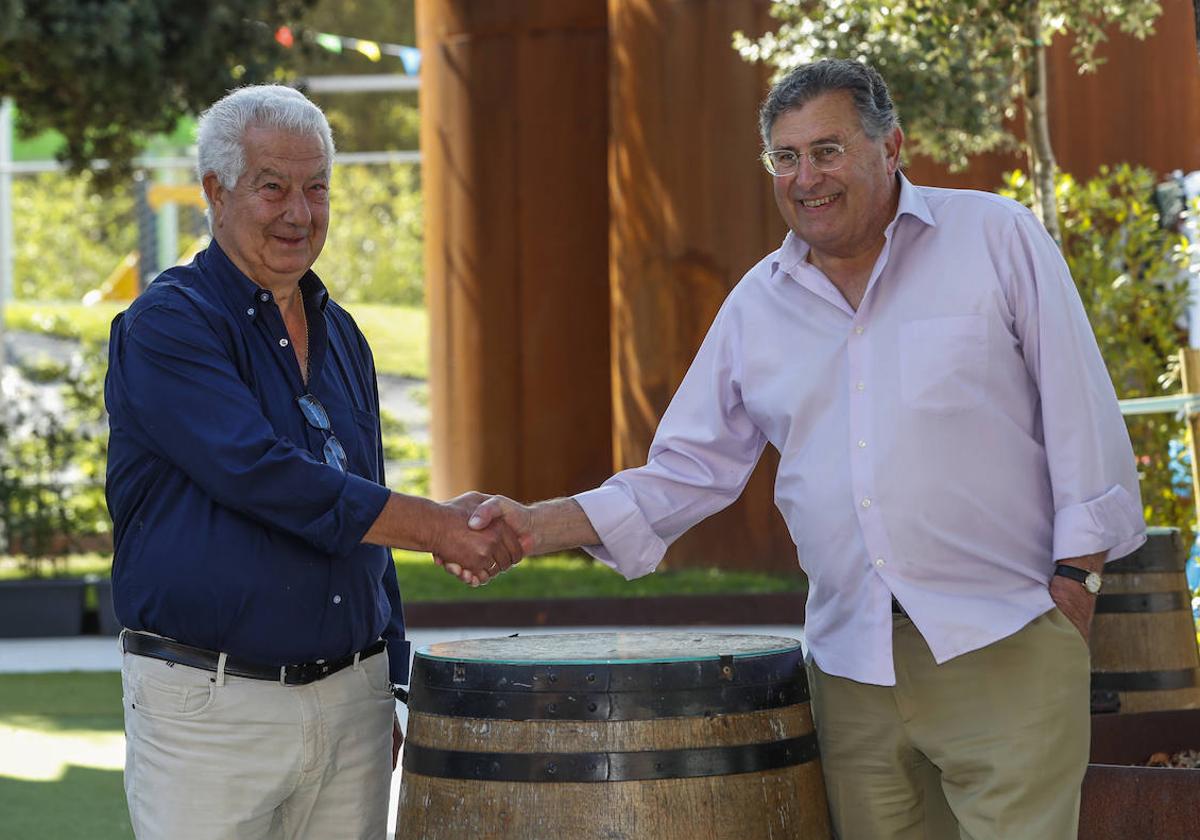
(363, 454)
(943, 362)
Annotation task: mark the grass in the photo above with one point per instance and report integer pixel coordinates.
(554, 576)
(399, 335)
(61, 756)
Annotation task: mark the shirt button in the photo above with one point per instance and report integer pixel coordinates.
(250, 311)
(860, 385)
(878, 561)
(858, 330)
(337, 599)
(283, 342)
(866, 503)
(862, 444)
(264, 297)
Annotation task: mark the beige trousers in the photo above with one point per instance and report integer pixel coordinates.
(238, 759)
(991, 745)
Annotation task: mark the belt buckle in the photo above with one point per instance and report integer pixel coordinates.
(303, 674)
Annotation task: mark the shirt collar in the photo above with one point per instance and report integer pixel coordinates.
(794, 250)
(242, 293)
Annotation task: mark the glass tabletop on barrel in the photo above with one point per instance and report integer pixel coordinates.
(608, 648)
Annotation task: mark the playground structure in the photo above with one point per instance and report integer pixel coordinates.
(158, 234)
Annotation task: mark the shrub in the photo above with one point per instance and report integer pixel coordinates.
(1132, 277)
(52, 450)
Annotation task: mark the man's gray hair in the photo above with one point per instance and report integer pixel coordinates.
(808, 81)
(221, 130)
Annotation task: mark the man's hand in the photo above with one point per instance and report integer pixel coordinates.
(468, 504)
(474, 556)
(1077, 603)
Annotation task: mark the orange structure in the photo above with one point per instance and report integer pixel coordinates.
(534, 255)
(691, 212)
(513, 132)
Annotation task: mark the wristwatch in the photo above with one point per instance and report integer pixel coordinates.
(400, 693)
(1091, 580)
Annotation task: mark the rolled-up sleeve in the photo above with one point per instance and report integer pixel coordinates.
(1093, 475)
(702, 456)
(183, 397)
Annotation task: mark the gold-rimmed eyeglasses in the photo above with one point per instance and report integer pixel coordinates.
(824, 157)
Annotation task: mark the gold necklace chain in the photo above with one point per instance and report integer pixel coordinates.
(307, 355)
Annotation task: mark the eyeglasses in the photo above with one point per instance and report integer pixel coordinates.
(314, 413)
(824, 157)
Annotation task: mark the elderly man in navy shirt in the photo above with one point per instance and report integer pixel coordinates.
(245, 480)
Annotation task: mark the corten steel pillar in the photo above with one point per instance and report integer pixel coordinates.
(691, 212)
(514, 104)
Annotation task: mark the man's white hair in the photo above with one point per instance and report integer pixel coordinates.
(221, 130)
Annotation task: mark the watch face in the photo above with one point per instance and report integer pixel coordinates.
(1092, 583)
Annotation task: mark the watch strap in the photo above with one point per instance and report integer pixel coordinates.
(1081, 575)
(1072, 572)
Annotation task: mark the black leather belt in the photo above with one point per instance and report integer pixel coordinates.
(156, 647)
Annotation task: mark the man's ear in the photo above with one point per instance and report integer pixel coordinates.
(893, 145)
(215, 193)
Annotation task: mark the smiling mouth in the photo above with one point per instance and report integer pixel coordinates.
(818, 202)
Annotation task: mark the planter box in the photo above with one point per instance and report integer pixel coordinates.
(106, 615)
(1121, 802)
(35, 608)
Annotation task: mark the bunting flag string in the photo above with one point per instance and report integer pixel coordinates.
(410, 57)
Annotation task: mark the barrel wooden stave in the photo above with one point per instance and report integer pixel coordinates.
(1153, 640)
(535, 736)
(699, 746)
(738, 807)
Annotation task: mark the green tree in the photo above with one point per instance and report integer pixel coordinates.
(363, 121)
(109, 73)
(68, 238)
(1132, 278)
(374, 250)
(958, 69)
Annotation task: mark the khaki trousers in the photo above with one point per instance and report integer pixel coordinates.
(211, 758)
(991, 745)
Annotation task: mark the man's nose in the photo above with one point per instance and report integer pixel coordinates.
(806, 175)
(296, 210)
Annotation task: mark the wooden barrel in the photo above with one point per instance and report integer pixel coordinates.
(620, 736)
(1144, 654)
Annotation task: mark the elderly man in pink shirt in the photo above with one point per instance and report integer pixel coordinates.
(954, 471)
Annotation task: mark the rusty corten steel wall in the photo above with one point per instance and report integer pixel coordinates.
(513, 131)
(1142, 107)
(691, 213)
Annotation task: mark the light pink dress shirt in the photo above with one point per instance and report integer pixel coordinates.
(945, 444)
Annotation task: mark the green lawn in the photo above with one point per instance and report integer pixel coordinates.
(399, 335)
(61, 755)
(556, 576)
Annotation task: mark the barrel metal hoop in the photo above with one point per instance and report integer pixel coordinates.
(623, 691)
(1162, 552)
(605, 706)
(1143, 602)
(1145, 680)
(609, 766)
(615, 676)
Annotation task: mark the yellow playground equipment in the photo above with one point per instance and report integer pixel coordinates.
(123, 283)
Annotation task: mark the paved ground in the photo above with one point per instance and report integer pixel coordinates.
(90, 653)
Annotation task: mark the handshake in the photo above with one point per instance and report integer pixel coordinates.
(483, 536)
(479, 536)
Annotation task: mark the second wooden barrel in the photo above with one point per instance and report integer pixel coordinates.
(1144, 653)
(612, 736)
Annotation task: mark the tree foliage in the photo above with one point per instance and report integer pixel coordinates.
(954, 66)
(374, 251)
(958, 69)
(108, 73)
(1132, 277)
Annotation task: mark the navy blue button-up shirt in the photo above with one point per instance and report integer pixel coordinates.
(230, 531)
